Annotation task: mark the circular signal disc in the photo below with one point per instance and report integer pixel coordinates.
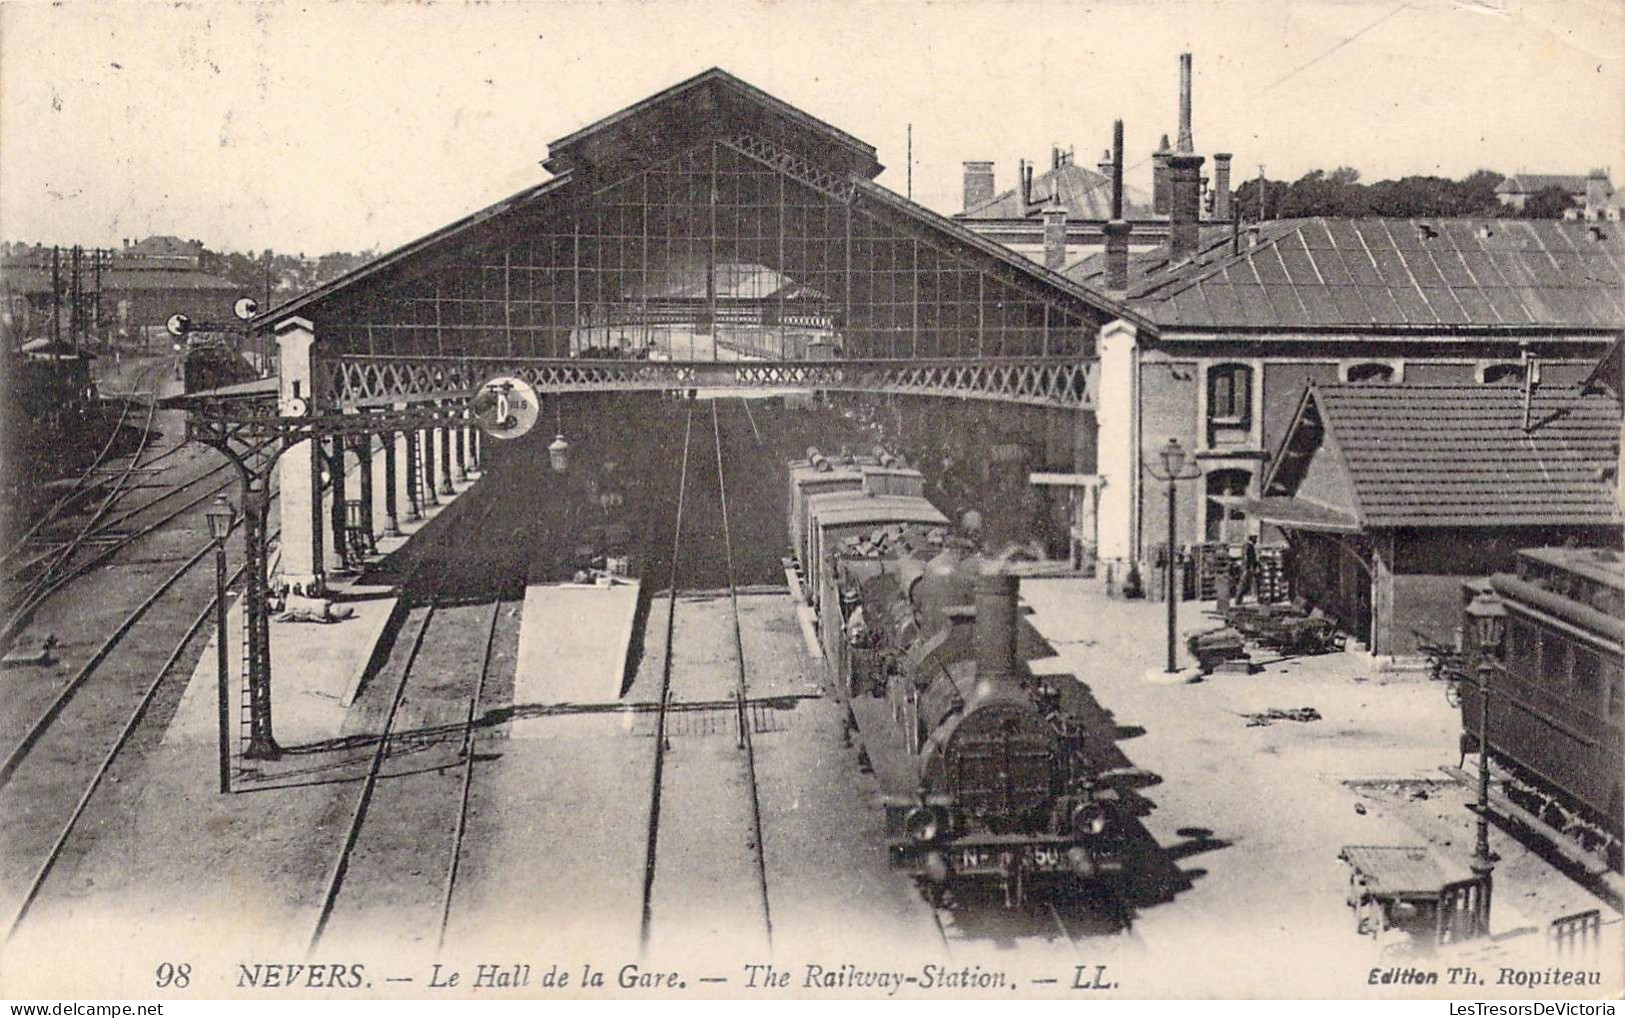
(506, 407)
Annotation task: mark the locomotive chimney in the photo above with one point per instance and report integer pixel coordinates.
(995, 625)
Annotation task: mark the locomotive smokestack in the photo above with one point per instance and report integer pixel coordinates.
(995, 625)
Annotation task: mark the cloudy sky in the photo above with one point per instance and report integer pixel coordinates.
(315, 127)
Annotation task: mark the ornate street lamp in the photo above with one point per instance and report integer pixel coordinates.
(1488, 615)
(220, 515)
(1172, 456)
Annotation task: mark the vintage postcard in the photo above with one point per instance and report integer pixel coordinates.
(1006, 500)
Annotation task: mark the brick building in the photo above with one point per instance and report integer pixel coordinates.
(1244, 320)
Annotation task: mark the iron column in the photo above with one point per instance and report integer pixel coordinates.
(219, 516)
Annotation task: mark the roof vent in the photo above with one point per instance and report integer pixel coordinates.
(1486, 231)
(1252, 235)
(1425, 231)
(1597, 232)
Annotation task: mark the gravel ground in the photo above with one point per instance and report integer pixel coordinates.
(1254, 816)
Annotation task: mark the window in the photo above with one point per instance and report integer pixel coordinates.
(1226, 522)
(1554, 659)
(1521, 644)
(1229, 395)
(1588, 680)
(1372, 371)
(1502, 374)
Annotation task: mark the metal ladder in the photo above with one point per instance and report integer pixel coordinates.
(414, 478)
(245, 712)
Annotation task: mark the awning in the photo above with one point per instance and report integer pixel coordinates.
(256, 389)
(1290, 513)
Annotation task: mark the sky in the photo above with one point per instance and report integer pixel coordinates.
(319, 127)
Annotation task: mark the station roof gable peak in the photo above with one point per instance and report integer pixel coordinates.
(674, 118)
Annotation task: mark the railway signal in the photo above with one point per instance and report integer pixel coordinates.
(506, 407)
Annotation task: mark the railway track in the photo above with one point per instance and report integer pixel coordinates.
(416, 789)
(82, 485)
(689, 817)
(117, 633)
(63, 748)
(28, 585)
(69, 827)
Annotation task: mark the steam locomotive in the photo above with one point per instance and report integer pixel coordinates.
(988, 776)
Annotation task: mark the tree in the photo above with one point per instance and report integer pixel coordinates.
(1340, 193)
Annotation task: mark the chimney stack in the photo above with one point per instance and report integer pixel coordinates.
(1026, 186)
(978, 184)
(1117, 230)
(996, 620)
(1185, 201)
(1054, 238)
(1221, 185)
(1105, 165)
(1159, 178)
(1186, 145)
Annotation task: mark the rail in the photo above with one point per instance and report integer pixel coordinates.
(745, 740)
(664, 700)
(358, 817)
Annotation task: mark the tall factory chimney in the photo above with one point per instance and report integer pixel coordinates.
(1185, 142)
(1221, 185)
(1117, 229)
(978, 184)
(997, 616)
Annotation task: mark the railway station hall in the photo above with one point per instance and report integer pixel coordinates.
(717, 232)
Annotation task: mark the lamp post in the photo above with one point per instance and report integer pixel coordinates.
(220, 514)
(1172, 456)
(1489, 623)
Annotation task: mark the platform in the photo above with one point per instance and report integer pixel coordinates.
(574, 640)
(315, 670)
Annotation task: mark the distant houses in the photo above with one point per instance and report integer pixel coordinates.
(1591, 196)
(124, 292)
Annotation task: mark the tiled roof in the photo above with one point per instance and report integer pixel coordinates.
(1530, 183)
(1085, 194)
(1458, 455)
(1324, 273)
(164, 244)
